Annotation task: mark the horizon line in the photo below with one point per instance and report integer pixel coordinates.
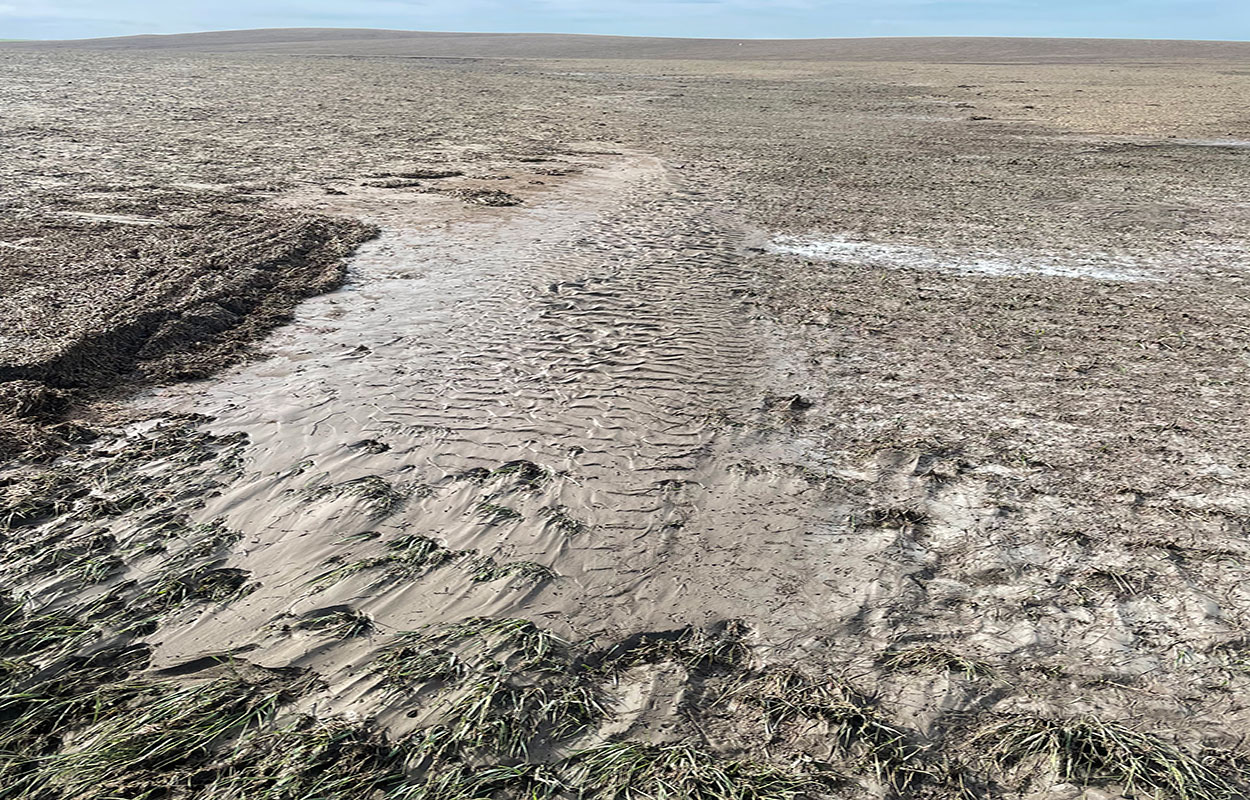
(635, 36)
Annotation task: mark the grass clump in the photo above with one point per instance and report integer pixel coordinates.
(357, 537)
(786, 696)
(391, 183)
(409, 663)
(558, 517)
(484, 197)
(199, 584)
(932, 657)
(415, 553)
(516, 644)
(81, 550)
(497, 715)
(40, 497)
(525, 474)
(38, 719)
(489, 650)
(1122, 583)
(495, 514)
(1091, 751)
(96, 569)
(27, 633)
(166, 732)
(432, 747)
(892, 517)
(339, 623)
(11, 668)
(721, 647)
(310, 759)
(384, 498)
(32, 698)
(207, 541)
(462, 781)
(24, 634)
(341, 572)
(406, 557)
(484, 569)
(508, 685)
(97, 507)
(381, 496)
(422, 174)
(190, 545)
(638, 771)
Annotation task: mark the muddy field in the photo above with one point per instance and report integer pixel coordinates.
(708, 429)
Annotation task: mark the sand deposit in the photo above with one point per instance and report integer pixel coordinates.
(623, 429)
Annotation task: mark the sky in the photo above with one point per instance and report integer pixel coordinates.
(1157, 19)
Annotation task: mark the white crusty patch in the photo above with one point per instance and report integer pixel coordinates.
(1093, 265)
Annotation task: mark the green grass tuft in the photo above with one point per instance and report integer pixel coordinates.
(310, 760)
(525, 474)
(173, 727)
(558, 516)
(495, 514)
(516, 644)
(638, 771)
(464, 782)
(497, 715)
(406, 557)
(381, 496)
(24, 634)
(484, 569)
(1090, 751)
(414, 553)
(198, 584)
(409, 663)
(787, 696)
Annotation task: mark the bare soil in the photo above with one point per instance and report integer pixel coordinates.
(143, 289)
(717, 428)
(426, 44)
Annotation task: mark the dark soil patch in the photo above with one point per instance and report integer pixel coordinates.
(485, 197)
(422, 174)
(391, 183)
(94, 306)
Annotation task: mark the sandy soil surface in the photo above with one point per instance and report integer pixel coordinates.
(689, 429)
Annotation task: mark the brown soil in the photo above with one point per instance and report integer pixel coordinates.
(872, 420)
(422, 44)
(122, 289)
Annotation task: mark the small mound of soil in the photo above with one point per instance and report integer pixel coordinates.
(96, 306)
(422, 174)
(485, 197)
(391, 183)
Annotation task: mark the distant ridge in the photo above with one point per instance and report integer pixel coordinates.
(370, 42)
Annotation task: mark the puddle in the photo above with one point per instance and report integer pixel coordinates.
(1092, 266)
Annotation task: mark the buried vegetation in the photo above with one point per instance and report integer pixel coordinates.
(946, 428)
(638, 770)
(506, 707)
(510, 710)
(1089, 751)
